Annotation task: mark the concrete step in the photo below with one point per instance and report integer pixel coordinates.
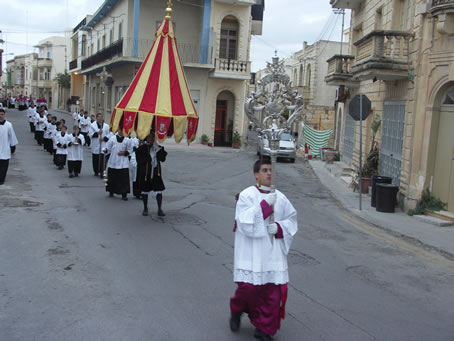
(433, 220)
(444, 215)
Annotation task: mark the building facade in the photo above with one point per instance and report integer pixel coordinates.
(402, 59)
(213, 39)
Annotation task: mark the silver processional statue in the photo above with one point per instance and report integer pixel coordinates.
(268, 108)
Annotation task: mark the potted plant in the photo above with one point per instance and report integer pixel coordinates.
(236, 140)
(204, 139)
(370, 167)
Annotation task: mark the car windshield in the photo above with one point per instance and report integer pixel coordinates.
(286, 137)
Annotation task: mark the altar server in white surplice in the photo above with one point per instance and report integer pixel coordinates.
(120, 148)
(62, 141)
(260, 255)
(99, 135)
(75, 152)
(8, 142)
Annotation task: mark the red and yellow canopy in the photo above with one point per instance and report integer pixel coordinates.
(158, 96)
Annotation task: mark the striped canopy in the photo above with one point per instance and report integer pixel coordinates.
(316, 139)
(158, 96)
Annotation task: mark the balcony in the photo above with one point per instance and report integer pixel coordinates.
(340, 71)
(44, 62)
(352, 4)
(444, 11)
(44, 84)
(231, 69)
(114, 50)
(73, 64)
(382, 55)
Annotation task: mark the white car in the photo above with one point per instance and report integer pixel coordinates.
(287, 147)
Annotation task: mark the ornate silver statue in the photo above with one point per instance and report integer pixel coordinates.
(275, 108)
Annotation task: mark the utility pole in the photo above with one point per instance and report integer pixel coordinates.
(341, 11)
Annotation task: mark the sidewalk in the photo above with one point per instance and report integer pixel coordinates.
(440, 238)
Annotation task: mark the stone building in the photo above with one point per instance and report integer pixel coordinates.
(214, 44)
(402, 58)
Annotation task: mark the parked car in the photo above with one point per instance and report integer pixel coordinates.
(287, 147)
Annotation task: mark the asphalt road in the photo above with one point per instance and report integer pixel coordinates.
(77, 265)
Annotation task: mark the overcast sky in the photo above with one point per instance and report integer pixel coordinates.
(286, 24)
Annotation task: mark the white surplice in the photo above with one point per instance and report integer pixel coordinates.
(94, 129)
(258, 259)
(7, 140)
(63, 141)
(76, 150)
(113, 148)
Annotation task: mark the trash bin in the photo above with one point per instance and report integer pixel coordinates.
(378, 179)
(386, 197)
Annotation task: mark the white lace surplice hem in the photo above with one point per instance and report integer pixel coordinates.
(260, 278)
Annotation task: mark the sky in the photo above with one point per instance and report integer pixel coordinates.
(286, 24)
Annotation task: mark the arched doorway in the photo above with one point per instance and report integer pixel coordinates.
(443, 180)
(223, 131)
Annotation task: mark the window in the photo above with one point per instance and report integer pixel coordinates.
(120, 27)
(301, 75)
(49, 52)
(46, 74)
(41, 75)
(82, 46)
(308, 76)
(449, 99)
(26, 74)
(92, 49)
(229, 38)
(98, 45)
(379, 19)
(104, 41)
(41, 52)
(111, 36)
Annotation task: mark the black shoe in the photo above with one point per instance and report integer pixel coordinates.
(1, 183)
(258, 334)
(96, 174)
(145, 212)
(235, 322)
(125, 198)
(161, 213)
(110, 195)
(71, 175)
(76, 174)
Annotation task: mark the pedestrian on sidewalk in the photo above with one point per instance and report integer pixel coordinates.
(75, 152)
(62, 140)
(8, 142)
(261, 246)
(119, 147)
(149, 172)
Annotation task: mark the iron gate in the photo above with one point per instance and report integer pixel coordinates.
(349, 138)
(393, 125)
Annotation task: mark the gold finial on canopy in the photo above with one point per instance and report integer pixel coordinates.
(169, 10)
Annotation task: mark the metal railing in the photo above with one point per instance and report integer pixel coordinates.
(73, 64)
(113, 50)
(189, 53)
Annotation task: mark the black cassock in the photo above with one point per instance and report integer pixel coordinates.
(149, 178)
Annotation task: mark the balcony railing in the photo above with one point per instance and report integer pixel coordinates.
(233, 67)
(383, 50)
(73, 64)
(189, 52)
(116, 49)
(339, 70)
(440, 7)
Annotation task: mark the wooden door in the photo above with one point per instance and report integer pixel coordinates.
(443, 182)
(220, 125)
